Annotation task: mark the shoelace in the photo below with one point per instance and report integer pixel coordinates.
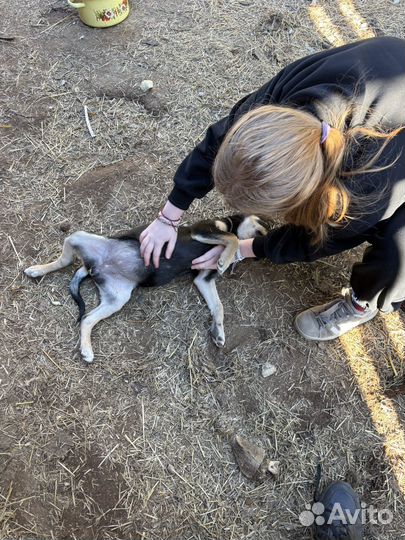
(340, 311)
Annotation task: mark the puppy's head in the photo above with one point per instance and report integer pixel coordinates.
(245, 226)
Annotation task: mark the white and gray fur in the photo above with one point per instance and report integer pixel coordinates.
(117, 268)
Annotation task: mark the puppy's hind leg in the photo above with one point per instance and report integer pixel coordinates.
(205, 283)
(65, 259)
(113, 296)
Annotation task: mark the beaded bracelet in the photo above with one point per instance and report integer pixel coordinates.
(167, 221)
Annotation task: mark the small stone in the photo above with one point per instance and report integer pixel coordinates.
(146, 85)
(396, 1)
(153, 102)
(274, 467)
(268, 369)
(249, 457)
(150, 42)
(65, 226)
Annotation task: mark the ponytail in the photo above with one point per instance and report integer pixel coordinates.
(272, 163)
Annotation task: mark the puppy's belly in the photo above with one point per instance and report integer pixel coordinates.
(121, 260)
(178, 265)
(167, 271)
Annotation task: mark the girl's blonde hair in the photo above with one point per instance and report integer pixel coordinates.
(272, 163)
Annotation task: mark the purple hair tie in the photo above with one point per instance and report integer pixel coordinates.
(325, 131)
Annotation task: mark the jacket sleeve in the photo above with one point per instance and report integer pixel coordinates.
(290, 243)
(193, 178)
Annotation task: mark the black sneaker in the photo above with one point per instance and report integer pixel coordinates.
(341, 514)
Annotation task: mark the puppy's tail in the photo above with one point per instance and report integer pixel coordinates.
(74, 289)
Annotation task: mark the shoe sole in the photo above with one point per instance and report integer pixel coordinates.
(331, 338)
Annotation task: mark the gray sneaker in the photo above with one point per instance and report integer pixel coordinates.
(329, 321)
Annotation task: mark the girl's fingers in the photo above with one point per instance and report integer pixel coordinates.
(170, 247)
(205, 266)
(156, 254)
(212, 253)
(204, 258)
(147, 253)
(212, 260)
(144, 243)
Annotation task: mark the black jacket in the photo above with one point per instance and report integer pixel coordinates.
(370, 74)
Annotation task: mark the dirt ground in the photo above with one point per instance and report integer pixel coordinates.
(137, 445)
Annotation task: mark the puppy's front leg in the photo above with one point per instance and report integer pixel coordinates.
(205, 283)
(114, 295)
(229, 240)
(228, 255)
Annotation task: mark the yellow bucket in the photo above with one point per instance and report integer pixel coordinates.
(101, 13)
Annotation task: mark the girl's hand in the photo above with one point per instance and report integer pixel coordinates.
(153, 238)
(209, 260)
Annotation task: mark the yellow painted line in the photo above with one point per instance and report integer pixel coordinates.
(325, 25)
(355, 20)
(382, 409)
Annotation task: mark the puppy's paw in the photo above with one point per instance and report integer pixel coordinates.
(34, 271)
(87, 355)
(220, 270)
(222, 266)
(224, 263)
(218, 335)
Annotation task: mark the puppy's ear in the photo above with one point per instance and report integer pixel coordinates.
(234, 221)
(223, 225)
(264, 227)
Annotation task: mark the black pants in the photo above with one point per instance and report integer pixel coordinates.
(380, 278)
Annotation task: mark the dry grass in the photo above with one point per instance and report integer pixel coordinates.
(137, 445)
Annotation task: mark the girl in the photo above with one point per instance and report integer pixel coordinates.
(320, 147)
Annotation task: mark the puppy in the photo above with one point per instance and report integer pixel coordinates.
(116, 266)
